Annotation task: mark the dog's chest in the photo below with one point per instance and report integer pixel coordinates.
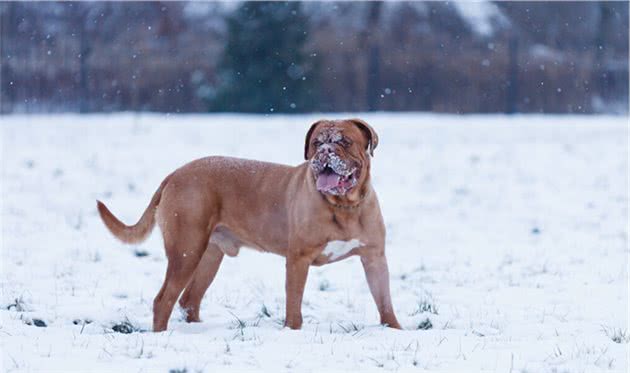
(337, 248)
(338, 234)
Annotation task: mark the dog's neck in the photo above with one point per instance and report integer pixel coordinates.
(345, 203)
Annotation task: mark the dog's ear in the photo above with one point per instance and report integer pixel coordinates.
(369, 133)
(307, 142)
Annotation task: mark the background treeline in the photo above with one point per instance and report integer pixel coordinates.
(558, 57)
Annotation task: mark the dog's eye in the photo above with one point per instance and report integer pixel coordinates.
(316, 143)
(345, 142)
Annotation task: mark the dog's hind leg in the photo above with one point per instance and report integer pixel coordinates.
(203, 277)
(184, 256)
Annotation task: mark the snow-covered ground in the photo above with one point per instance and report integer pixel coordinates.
(508, 234)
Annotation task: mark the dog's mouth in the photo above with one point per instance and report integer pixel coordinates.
(333, 175)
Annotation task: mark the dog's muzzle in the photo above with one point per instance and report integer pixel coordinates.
(333, 175)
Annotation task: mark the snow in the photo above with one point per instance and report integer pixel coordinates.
(336, 249)
(509, 234)
(480, 15)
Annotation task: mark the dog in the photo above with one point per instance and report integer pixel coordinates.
(319, 212)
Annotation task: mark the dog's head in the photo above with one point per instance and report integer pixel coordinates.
(339, 154)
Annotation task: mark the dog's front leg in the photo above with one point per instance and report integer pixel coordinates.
(297, 271)
(377, 274)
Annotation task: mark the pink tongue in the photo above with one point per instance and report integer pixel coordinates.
(327, 181)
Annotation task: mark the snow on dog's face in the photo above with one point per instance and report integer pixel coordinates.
(338, 154)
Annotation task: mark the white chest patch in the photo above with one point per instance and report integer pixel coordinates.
(336, 249)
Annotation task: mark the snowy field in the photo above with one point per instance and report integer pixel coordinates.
(507, 244)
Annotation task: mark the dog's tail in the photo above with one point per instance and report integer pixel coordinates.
(132, 233)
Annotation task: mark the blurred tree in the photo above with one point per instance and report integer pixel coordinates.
(511, 99)
(373, 58)
(600, 76)
(264, 67)
(84, 22)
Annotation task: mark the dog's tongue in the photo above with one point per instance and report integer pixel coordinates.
(327, 181)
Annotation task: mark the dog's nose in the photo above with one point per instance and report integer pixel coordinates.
(326, 148)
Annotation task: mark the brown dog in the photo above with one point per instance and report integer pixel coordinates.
(319, 212)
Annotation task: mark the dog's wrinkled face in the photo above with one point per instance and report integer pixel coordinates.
(337, 151)
(335, 169)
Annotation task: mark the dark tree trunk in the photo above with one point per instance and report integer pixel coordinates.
(84, 74)
(7, 26)
(426, 89)
(373, 68)
(511, 96)
(600, 78)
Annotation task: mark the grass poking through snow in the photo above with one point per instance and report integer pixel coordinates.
(617, 335)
